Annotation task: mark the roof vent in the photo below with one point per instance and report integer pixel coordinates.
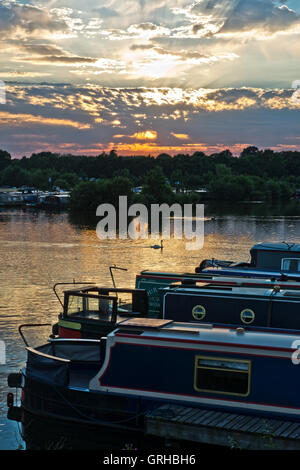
(240, 331)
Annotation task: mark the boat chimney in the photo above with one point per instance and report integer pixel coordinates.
(240, 331)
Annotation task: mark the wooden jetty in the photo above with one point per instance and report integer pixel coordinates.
(234, 430)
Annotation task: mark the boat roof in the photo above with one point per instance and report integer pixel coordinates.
(234, 291)
(155, 329)
(283, 246)
(252, 280)
(95, 289)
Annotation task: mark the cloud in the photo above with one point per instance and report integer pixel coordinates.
(241, 16)
(17, 19)
(263, 15)
(49, 54)
(22, 120)
(23, 74)
(184, 55)
(181, 136)
(58, 59)
(145, 120)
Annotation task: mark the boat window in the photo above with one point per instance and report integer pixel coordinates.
(199, 312)
(247, 316)
(290, 264)
(218, 375)
(90, 307)
(75, 304)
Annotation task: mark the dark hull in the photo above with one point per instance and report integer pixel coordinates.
(47, 432)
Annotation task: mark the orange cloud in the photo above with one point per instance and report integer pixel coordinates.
(146, 135)
(181, 136)
(154, 149)
(21, 119)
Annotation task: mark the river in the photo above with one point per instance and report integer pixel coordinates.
(38, 249)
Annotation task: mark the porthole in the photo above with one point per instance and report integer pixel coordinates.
(198, 312)
(247, 316)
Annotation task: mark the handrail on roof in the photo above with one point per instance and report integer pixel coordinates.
(65, 284)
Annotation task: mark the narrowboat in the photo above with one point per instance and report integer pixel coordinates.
(267, 260)
(55, 201)
(92, 311)
(278, 261)
(11, 199)
(111, 383)
(223, 305)
(153, 282)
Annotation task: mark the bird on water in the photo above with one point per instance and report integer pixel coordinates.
(158, 247)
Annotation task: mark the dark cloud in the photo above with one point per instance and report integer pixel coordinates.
(263, 14)
(48, 53)
(246, 15)
(41, 49)
(59, 59)
(147, 26)
(141, 47)
(184, 54)
(28, 18)
(85, 116)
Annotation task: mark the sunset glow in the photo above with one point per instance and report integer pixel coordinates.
(149, 77)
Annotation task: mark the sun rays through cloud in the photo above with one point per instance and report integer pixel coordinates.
(149, 77)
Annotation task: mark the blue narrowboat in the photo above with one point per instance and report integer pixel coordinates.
(111, 383)
(267, 260)
(89, 312)
(154, 282)
(275, 261)
(264, 307)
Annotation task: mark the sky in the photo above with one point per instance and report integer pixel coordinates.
(149, 76)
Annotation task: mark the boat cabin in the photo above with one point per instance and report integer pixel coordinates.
(276, 256)
(153, 282)
(91, 311)
(224, 305)
(266, 259)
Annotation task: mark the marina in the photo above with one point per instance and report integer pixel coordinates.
(26, 198)
(149, 230)
(72, 248)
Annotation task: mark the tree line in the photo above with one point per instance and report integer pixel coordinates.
(254, 175)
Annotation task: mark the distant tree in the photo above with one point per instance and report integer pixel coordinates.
(62, 183)
(88, 195)
(14, 176)
(5, 159)
(4, 155)
(156, 189)
(249, 151)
